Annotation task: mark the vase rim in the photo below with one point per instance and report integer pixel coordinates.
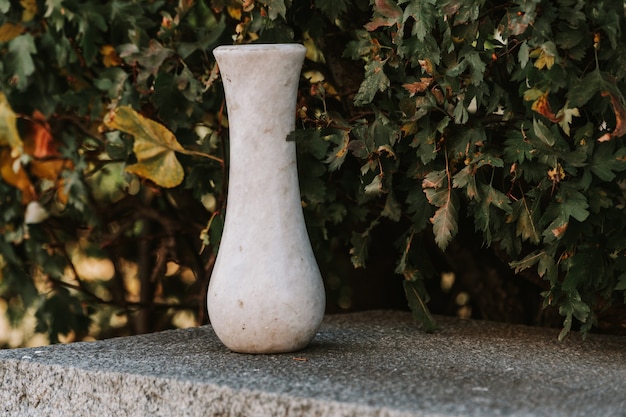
(261, 47)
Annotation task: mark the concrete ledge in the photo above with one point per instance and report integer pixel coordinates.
(363, 364)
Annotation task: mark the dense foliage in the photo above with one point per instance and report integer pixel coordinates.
(415, 118)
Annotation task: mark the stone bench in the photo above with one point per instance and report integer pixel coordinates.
(363, 364)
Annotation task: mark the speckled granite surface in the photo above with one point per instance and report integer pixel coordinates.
(364, 364)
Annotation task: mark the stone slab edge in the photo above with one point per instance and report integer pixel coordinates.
(362, 364)
(54, 390)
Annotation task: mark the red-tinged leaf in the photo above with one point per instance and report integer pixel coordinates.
(559, 231)
(440, 194)
(418, 86)
(518, 22)
(386, 13)
(38, 141)
(388, 9)
(445, 225)
(378, 22)
(434, 179)
(13, 174)
(542, 106)
(620, 115)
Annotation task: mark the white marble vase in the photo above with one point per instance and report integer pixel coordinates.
(266, 294)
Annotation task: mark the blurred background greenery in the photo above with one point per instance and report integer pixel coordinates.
(467, 155)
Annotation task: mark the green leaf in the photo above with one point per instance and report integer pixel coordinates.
(20, 60)
(90, 24)
(485, 218)
(582, 91)
(621, 283)
(475, 64)
(416, 296)
(460, 113)
(111, 81)
(375, 80)
(155, 147)
(573, 306)
(543, 133)
(333, 9)
(517, 148)
(423, 13)
(605, 162)
(206, 37)
(403, 266)
(61, 313)
(341, 139)
(466, 178)
(568, 203)
(567, 323)
(494, 197)
(523, 54)
(360, 245)
(477, 67)
(462, 11)
(419, 208)
(527, 262)
(582, 268)
(275, 8)
(526, 219)
(392, 209)
(150, 58)
(425, 142)
(359, 47)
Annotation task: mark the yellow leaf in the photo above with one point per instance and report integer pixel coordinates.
(30, 10)
(427, 66)
(8, 126)
(566, 114)
(110, 58)
(313, 52)
(545, 57)
(533, 94)
(234, 12)
(155, 147)
(9, 31)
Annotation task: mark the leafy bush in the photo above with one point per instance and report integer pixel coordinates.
(416, 117)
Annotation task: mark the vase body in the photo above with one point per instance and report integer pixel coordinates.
(266, 294)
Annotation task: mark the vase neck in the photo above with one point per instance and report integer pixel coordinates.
(261, 83)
